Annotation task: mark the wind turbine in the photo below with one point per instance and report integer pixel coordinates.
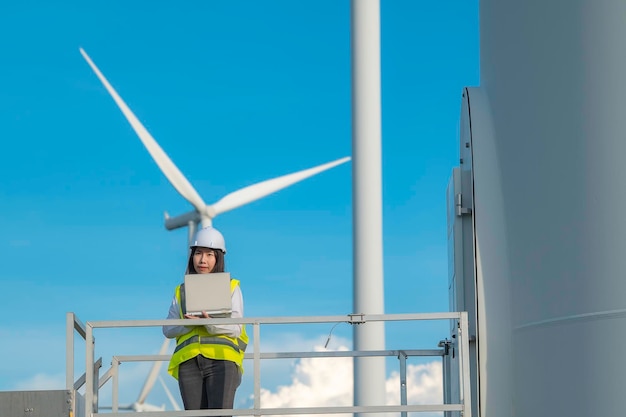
(203, 213)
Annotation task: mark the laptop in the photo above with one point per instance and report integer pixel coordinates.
(208, 292)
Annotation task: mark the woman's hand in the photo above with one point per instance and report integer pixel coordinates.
(204, 316)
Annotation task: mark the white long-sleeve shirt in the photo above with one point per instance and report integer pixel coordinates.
(231, 330)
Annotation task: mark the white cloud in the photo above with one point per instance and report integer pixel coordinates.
(278, 372)
(315, 382)
(318, 382)
(424, 384)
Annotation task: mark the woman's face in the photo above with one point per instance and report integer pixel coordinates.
(203, 260)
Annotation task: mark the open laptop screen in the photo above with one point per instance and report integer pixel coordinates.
(208, 292)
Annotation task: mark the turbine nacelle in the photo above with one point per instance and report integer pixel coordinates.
(182, 220)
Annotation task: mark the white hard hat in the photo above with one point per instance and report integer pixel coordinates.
(209, 237)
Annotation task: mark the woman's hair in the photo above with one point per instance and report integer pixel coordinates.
(220, 265)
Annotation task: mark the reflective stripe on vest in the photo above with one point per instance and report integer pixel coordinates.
(240, 347)
(199, 342)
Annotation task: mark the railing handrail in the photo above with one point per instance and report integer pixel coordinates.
(350, 319)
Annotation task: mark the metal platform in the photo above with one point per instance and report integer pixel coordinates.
(59, 403)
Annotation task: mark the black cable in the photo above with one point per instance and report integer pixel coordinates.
(330, 333)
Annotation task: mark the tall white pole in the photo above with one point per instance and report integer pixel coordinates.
(369, 373)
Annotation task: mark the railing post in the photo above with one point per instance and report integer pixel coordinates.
(90, 387)
(115, 369)
(257, 367)
(403, 400)
(465, 368)
(69, 351)
(445, 371)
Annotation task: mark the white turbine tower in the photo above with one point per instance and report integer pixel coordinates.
(369, 373)
(203, 213)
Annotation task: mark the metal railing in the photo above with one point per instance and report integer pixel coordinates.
(92, 382)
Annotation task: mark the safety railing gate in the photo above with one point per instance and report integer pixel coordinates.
(92, 382)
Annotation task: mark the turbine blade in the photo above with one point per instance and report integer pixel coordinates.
(254, 192)
(172, 173)
(169, 395)
(152, 376)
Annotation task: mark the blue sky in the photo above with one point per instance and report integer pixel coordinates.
(235, 92)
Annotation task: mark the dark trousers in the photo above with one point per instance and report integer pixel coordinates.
(208, 383)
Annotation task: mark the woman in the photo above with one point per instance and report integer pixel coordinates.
(208, 359)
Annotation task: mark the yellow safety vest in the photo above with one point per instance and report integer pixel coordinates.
(213, 346)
